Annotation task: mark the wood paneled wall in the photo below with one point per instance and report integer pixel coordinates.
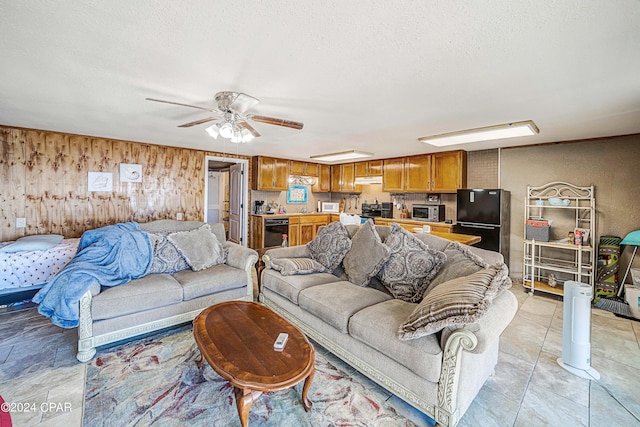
(44, 178)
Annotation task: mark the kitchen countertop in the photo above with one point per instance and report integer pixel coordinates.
(288, 214)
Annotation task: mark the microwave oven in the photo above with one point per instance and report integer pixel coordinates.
(332, 207)
(433, 213)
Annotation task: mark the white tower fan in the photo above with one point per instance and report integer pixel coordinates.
(576, 330)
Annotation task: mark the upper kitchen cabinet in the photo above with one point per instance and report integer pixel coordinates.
(393, 175)
(437, 173)
(323, 183)
(449, 171)
(270, 174)
(370, 168)
(303, 168)
(343, 179)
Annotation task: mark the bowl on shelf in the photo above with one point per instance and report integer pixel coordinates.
(556, 201)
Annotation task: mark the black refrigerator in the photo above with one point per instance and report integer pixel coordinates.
(485, 213)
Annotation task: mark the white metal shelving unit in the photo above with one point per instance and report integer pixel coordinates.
(559, 257)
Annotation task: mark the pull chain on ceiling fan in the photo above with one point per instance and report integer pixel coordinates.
(231, 121)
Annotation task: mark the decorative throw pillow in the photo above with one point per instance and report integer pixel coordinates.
(293, 266)
(460, 262)
(166, 258)
(199, 247)
(38, 242)
(457, 302)
(366, 256)
(330, 245)
(411, 266)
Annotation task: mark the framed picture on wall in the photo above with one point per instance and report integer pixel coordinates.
(130, 172)
(297, 194)
(100, 181)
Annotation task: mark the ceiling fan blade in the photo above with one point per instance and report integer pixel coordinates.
(277, 122)
(181, 104)
(250, 128)
(243, 102)
(197, 122)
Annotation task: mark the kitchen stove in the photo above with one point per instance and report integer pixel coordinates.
(377, 210)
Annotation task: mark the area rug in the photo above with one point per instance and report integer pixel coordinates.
(154, 381)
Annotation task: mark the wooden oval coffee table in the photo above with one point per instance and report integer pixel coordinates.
(236, 338)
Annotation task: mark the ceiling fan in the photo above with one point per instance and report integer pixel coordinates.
(231, 120)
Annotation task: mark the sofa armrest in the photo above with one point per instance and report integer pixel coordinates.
(240, 257)
(491, 325)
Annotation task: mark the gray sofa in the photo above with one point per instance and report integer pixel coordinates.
(440, 374)
(160, 300)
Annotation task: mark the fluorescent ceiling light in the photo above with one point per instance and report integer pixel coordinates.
(507, 130)
(343, 155)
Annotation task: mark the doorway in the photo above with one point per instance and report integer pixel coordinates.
(226, 195)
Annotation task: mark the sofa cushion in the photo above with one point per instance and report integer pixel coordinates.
(366, 256)
(290, 286)
(215, 279)
(330, 245)
(458, 302)
(377, 327)
(460, 262)
(336, 302)
(293, 266)
(166, 258)
(150, 291)
(200, 247)
(411, 266)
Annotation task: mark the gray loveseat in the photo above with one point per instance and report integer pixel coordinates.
(160, 300)
(440, 374)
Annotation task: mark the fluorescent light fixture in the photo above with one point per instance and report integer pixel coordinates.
(342, 155)
(507, 130)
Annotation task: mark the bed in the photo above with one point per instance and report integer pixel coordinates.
(23, 273)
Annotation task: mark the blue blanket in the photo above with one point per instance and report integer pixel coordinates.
(110, 256)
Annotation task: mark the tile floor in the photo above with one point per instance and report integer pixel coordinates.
(38, 368)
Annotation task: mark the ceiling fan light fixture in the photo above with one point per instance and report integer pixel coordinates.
(488, 133)
(226, 130)
(246, 135)
(342, 155)
(213, 130)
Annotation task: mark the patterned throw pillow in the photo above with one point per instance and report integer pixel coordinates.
(411, 266)
(330, 245)
(199, 247)
(460, 262)
(293, 266)
(458, 302)
(166, 258)
(366, 256)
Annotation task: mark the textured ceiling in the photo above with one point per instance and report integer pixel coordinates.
(368, 75)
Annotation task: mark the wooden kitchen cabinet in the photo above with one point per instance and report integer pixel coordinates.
(417, 173)
(256, 239)
(370, 168)
(393, 175)
(270, 174)
(303, 168)
(294, 231)
(343, 179)
(309, 225)
(449, 171)
(437, 173)
(323, 183)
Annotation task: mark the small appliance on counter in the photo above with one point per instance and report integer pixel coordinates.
(330, 207)
(258, 207)
(431, 213)
(377, 210)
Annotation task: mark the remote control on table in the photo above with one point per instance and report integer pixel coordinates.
(281, 341)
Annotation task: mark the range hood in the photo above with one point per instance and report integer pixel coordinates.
(369, 180)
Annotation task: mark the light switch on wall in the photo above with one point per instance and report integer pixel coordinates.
(179, 216)
(21, 222)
